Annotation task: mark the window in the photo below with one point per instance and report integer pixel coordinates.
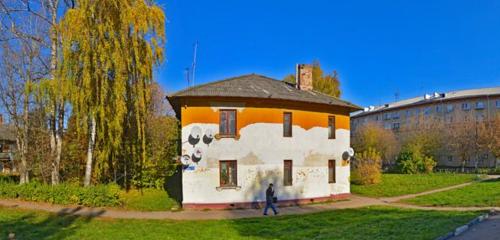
(227, 123)
(449, 108)
(387, 125)
(387, 116)
(287, 173)
(287, 124)
(395, 126)
(497, 103)
(408, 113)
(228, 173)
(331, 127)
(479, 105)
(331, 171)
(465, 106)
(438, 108)
(450, 158)
(395, 115)
(427, 110)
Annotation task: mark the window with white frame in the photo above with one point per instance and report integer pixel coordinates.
(449, 108)
(465, 106)
(480, 105)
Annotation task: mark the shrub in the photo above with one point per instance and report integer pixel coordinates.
(367, 168)
(94, 196)
(412, 161)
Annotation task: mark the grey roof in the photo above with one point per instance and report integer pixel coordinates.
(7, 133)
(435, 97)
(258, 86)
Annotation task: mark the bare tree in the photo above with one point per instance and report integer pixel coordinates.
(45, 14)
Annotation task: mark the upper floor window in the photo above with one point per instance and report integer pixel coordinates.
(427, 111)
(479, 105)
(465, 106)
(331, 127)
(227, 123)
(387, 116)
(228, 174)
(497, 103)
(287, 124)
(287, 173)
(449, 108)
(395, 115)
(438, 108)
(408, 113)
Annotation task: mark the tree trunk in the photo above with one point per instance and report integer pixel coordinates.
(58, 113)
(90, 151)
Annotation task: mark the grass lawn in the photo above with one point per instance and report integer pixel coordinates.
(401, 184)
(365, 223)
(481, 194)
(151, 200)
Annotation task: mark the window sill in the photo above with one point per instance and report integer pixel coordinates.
(218, 136)
(220, 188)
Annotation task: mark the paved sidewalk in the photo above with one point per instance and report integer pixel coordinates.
(354, 201)
(487, 230)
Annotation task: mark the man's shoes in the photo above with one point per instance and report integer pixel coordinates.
(265, 214)
(276, 213)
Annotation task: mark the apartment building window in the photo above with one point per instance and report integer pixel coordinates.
(287, 124)
(387, 125)
(387, 116)
(227, 123)
(497, 103)
(438, 108)
(408, 113)
(228, 174)
(287, 173)
(395, 115)
(331, 171)
(427, 110)
(465, 106)
(417, 111)
(449, 108)
(479, 105)
(395, 126)
(331, 127)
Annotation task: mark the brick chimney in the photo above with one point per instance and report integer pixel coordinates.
(304, 77)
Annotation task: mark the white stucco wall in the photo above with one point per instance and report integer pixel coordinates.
(260, 152)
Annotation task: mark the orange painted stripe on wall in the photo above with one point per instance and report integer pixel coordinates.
(252, 115)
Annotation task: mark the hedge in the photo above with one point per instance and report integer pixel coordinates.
(94, 196)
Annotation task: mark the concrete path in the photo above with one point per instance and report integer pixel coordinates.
(487, 230)
(354, 201)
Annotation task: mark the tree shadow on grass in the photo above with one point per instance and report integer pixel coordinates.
(41, 225)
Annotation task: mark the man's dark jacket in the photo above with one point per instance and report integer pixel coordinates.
(269, 195)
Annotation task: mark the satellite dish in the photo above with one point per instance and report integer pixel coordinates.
(350, 151)
(185, 159)
(194, 136)
(196, 156)
(208, 137)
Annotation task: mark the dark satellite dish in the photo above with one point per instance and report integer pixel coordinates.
(194, 136)
(208, 137)
(196, 156)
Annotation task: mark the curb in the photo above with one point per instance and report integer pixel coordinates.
(463, 228)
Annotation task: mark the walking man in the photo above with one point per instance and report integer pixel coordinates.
(270, 200)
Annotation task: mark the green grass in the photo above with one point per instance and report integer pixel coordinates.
(481, 194)
(402, 184)
(365, 223)
(151, 200)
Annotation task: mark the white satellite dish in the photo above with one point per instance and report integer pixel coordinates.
(350, 151)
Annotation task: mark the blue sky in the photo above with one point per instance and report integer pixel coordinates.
(379, 47)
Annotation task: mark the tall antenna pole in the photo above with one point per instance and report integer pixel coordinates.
(193, 69)
(186, 75)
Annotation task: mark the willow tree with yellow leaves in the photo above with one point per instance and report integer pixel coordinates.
(110, 48)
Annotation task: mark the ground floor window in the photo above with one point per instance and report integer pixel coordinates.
(228, 173)
(331, 171)
(287, 177)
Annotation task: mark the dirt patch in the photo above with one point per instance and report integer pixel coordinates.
(317, 160)
(250, 159)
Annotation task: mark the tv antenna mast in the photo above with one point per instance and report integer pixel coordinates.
(193, 67)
